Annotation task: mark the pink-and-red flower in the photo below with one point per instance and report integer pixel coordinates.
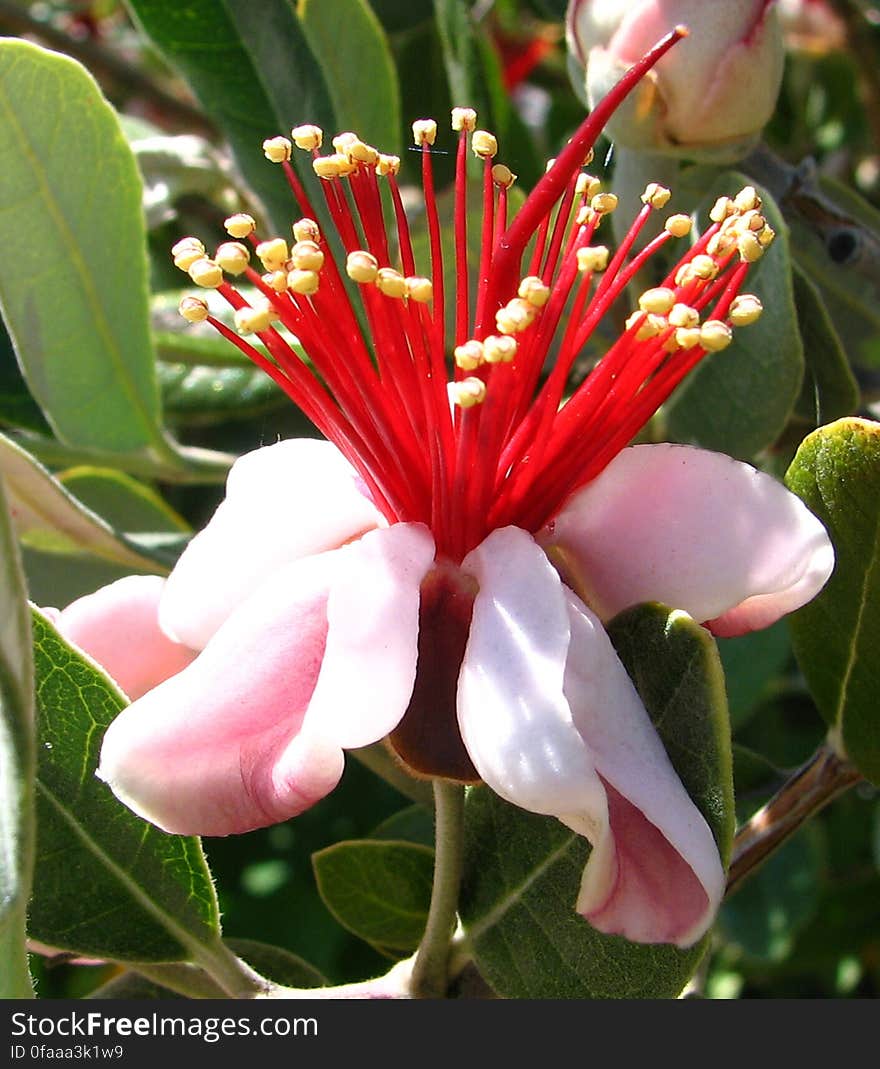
(436, 574)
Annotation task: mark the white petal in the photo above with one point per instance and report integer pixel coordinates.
(513, 716)
(369, 665)
(283, 502)
(692, 529)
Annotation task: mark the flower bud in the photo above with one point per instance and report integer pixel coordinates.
(709, 97)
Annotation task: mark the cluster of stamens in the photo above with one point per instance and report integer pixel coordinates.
(507, 449)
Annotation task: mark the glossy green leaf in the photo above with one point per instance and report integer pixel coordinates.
(47, 517)
(829, 389)
(74, 285)
(523, 871)
(836, 636)
(126, 504)
(738, 401)
(17, 765)
(350, 45)
(381, 891)
(254, 74)
(106, 884)
(201, 396)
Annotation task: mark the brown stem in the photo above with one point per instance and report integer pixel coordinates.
(811, 788)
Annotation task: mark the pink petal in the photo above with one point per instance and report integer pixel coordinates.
(553, 724)
(655, 875)
(369, 668)
(218, 748)
(118, 626)
(320, 657)
(692, 529)
(283, 502)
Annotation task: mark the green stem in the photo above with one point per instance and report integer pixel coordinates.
(377, 759)
(431, 970)
(230, 973)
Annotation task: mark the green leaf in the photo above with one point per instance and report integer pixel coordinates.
(125, 503)
(47, 517)
(523, 871)
(830, 389)
(415, 824)
(738, 401)
(202, 396)
(350, 45)
(836, 636)
(769, 909)
(106, 884)
(253, 72)
(381, 891)
(17, 406)
(277, 964)
(752, 663)
(74, 286)
(17, 764)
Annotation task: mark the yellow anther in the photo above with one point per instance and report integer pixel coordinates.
(750, 249)
(361, 152)
(720, 244)
(361, 266)
(682, 315)
(276, 280)
(233, 257)
(390, 282)
(240, 225)
(517, 315)
(747, 199)
(679, 226)
(745, 309)
(307, 256)
(251, 320)
(722, 207)
(766, 236)
(302, 282)
(715, 335)
(273, 253)
(186, 253)
(387, 164)
(752, 220)
(533, 290)
(587, 185)
(193, 309)
(271, 311)
(469, 355)
(650, 327)
(704, 267)
(306, 230)
(342, 142)
(592, 258)
(687, 337)
(671, 344)
(464, 119)
(468, 392)
(424, 132)
(205, 272)
(307, 137)
(419, 289)
(656, 195)
(336, 166)
(499, 349)
(277, 149)
(503, 176)
(603, 203)
(659, 300)
(484, 144)
(585, 216)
